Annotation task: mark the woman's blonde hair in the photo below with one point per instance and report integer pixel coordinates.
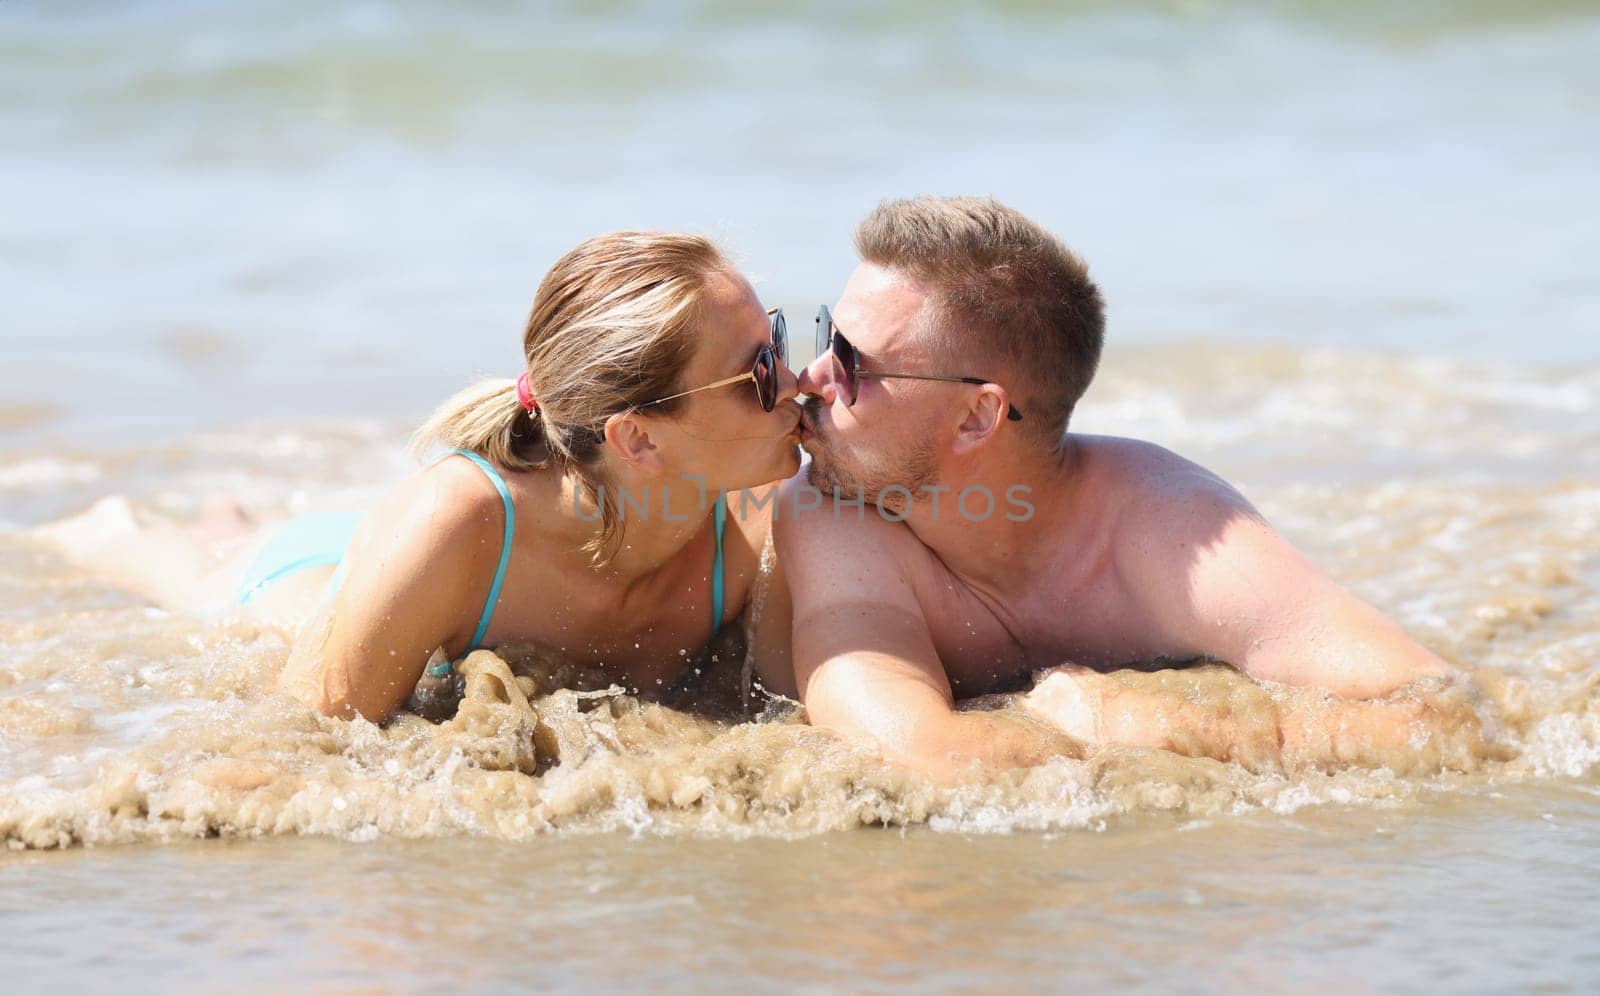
(611, 329)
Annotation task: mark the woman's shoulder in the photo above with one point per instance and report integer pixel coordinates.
(448, 502)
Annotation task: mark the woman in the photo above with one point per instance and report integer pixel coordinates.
(577, 510)
(574, 510)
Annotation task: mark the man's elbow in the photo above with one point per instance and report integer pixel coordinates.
(1353, 651)
(1400, 671)
(1365, 669)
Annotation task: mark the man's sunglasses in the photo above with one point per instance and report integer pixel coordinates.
(764, 372)
(831, 340)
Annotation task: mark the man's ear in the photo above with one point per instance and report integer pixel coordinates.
(981, 418)
(628, 436)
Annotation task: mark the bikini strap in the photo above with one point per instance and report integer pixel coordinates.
(721, 514)
(685, 680)
(499, 483)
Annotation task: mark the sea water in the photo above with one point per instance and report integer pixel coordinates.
(1349, 261)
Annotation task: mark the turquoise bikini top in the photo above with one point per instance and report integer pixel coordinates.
(720, 511)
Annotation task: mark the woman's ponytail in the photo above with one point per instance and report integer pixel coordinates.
(488, 419)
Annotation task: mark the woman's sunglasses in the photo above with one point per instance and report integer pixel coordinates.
(831, 340)
(764, 372)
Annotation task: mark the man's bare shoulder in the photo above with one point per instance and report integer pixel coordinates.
(1134, 468)
(1212, 577)
(833, 545)
(1168, 511)
(801, 510)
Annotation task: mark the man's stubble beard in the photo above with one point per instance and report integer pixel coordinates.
(832, 473)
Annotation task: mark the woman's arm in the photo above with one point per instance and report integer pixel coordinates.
(416, 574)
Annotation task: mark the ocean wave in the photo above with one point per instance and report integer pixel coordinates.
(156, 728)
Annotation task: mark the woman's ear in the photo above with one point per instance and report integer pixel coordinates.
(628, 437)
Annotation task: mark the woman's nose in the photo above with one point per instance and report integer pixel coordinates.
(788, 383)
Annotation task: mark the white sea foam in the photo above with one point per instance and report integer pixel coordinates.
(40, 473)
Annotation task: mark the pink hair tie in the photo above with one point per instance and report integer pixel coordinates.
(525, 394)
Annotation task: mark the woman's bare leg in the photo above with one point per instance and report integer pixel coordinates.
(190, 567)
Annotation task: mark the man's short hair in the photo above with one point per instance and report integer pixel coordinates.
(1000, 285)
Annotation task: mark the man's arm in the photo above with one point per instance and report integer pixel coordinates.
(1226, 585)
(1229, 717)
(768, 617)
(770, 639)
(864, 659)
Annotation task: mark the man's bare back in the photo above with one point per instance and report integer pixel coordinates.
(1159, 559)
(1084, 596)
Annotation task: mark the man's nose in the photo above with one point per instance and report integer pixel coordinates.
(816, 379)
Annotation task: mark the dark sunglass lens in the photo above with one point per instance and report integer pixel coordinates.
(780, 337)
(766, 377)
(845, 353)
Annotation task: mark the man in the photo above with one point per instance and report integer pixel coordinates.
(994, 543)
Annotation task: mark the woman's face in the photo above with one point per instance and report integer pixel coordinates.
(722, 435)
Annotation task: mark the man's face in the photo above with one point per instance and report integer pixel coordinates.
(892, 435)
